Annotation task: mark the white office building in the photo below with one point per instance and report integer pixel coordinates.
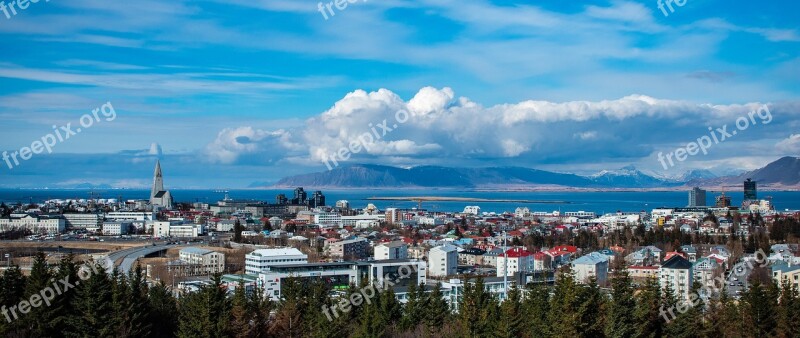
(263, 259)
(443, 260)
(83, 221)
(116, 228)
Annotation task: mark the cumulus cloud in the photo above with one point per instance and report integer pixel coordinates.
(437, 125)
(232, 144)
(790, 144)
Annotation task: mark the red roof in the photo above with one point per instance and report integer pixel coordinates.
(565, 248)
(517, 253)
(673, 253)
(540, 256)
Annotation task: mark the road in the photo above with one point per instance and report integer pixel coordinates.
(129, 256)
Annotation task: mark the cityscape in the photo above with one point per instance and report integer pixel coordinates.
(425, 168)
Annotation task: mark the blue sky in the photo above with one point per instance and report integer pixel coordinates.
(236, 92)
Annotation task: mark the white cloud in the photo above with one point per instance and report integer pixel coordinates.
(790, 145)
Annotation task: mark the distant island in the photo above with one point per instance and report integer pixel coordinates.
(463, 199)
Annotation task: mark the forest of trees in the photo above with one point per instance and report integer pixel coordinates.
(116, 305)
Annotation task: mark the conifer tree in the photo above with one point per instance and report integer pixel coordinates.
(413, 310)
(436, 311)
(163, 311)
(511, 320)
(620, 321)
(39, 320)
(591, 322)
(650, 322)
(93, 304)
(536, 307)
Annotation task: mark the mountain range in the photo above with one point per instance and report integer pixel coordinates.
(781, 174)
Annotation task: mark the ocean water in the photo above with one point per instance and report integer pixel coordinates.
(599, 202)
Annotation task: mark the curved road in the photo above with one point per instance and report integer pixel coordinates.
(129, 256)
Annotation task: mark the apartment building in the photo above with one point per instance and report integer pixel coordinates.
(677, 274)
(391, 250)
(443, 260)
(592, 265)
(209, 261)
(349, 249)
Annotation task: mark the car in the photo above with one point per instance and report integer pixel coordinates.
(732, 284)
(736, 279)
(740, 284)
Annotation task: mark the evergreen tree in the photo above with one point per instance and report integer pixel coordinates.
(620, 321)
(413, 310)
(40, 320)
(163, 310)
(205, 313)
(563, 317)
(477, 310)
(650, 322)
(240, 321)
(93, 304)
(590, 312)
(436, 311)
(12, 290)
(536, 306)
(788, 311)
(758, 304)
(510, 324)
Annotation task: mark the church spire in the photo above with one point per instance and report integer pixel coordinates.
(158, 180)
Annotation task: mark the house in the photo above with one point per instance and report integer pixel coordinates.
(472, 256)
(677, 273)
(594, 265)
(786, 271)
(542, 262)
(705, 270)
(443, 260)
(515, 260)
(690, 251)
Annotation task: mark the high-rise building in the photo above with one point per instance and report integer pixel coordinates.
(316, 200)
(281, 199)
(158, 196)
(750, 192)
(697, 197)
(723, 201)
(299, 197)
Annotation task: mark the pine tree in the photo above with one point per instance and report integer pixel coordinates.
(288, 319)
(12, 289)
(536, 307)
(590, 312)
(788, 311)
(648, 310)
(436, 311)
(93, 304)
(563, 317)
(413, 310)
(205, 313)
(163, 310)
(63, 304)
(240, 322)
(511, 320)
(39, 321)
(477, 311)
(758, 304)
(138, 306)
(620, 321)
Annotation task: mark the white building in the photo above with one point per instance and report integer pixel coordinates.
(594, 265)
(173, 229)
(263, 259)
(677, 273)
(443, 260)
(519, 260)
(83, 221)
(474, 210)
(391, 250)
(210, 261)
(130, 216)
(36, 224)
(328, 218)
(116, 228)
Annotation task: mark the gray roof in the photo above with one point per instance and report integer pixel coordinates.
(196, 251)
